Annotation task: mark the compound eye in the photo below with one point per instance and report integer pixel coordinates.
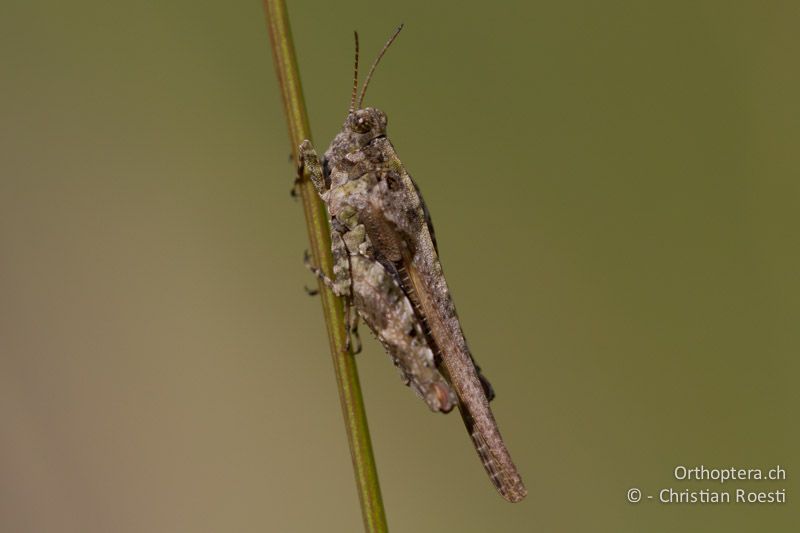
(361, 123)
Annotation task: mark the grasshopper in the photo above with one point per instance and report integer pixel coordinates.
(387, 270)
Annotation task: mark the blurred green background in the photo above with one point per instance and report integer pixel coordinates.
(615, 192)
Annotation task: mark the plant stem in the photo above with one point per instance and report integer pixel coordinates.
(355, 417)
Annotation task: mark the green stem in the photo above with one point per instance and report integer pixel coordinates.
(355, 416)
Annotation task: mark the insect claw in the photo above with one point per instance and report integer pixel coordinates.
(357, 341)
(294, 192)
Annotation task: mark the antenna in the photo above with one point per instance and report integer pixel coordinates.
(355, 77)
(375, 64)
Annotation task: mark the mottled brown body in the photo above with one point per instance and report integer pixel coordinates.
(387, 266)
(389, 314)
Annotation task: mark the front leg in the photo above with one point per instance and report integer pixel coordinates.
(309, 160)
